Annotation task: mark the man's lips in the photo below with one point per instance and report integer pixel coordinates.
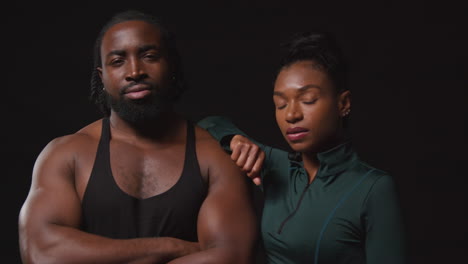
(136, 88)
(296, 133)
(137, 91)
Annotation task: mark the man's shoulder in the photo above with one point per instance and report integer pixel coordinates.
(210, 154)
(206, 142)
(91, 130)
(90, 134)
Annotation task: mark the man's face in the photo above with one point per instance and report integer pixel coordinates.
(135, 71)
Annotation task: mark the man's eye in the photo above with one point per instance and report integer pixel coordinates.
(116, 62)
(152, 56)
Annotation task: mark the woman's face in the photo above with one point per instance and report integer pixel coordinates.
(309, 110)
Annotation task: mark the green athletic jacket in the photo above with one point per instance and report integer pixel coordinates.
(349, 213)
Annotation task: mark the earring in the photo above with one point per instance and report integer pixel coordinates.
(103, 88)
(346, 112)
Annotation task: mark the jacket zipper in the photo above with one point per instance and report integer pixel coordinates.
(295, 210)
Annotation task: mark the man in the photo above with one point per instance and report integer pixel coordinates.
(141, 185)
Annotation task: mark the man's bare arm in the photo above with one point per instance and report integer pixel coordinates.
(227, 226)
(50, 218)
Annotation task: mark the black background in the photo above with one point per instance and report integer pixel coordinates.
(408, 80)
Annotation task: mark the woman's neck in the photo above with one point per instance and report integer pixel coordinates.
(310, 159)
(311, 164)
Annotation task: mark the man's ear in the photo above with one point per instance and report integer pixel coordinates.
(344, 103)
(99, 70)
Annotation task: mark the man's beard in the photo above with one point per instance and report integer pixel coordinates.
(142, 111)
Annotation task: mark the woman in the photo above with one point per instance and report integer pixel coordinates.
(322, 204)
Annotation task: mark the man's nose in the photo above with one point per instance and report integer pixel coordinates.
(136, 71)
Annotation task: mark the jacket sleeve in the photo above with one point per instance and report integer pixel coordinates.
(385, 234)
(223, 129)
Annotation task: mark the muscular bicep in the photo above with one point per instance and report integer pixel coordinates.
(50, 218)
(227, 219)
(52, 199)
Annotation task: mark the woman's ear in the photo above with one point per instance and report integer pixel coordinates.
(344, 103)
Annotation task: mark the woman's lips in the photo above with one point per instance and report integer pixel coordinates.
(296, 133)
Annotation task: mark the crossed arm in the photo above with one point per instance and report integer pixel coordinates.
(227, 228)
(49, 221)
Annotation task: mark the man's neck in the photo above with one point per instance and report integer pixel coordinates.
(161, 130)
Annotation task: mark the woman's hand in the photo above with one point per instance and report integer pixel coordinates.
(248, 157)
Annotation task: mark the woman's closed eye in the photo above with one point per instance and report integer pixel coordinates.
(309, 101)
(279, 102)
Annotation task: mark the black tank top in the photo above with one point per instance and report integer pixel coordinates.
(108, 211)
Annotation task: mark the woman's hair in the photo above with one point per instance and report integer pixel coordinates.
(97, 95)
(322, 49)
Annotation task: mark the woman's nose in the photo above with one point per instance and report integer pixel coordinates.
(294, 113)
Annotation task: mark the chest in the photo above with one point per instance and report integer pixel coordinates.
(146, 172)
(140, 172)
(140, 192)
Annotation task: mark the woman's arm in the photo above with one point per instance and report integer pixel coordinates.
(385, 234)
(247, 153)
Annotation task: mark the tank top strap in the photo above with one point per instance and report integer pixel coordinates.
(191, 162)
(103, 148)
(190, 149)
(190, 145)
(105, 131)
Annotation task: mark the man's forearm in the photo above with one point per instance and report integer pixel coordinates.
(215, 256)
(67, 245)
